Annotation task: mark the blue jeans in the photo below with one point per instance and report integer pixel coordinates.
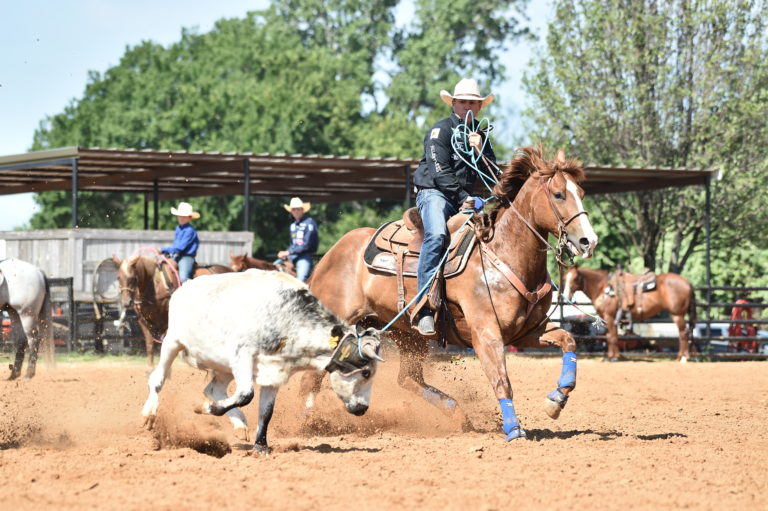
(303, 266)
(186, 263)
(435, 210)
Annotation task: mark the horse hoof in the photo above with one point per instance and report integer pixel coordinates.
(552, 408)
(683, 360)
(517, 432)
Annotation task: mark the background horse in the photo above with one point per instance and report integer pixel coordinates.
(146, 286)
(673, 293)
(489, 301)
(25, 294)
(244, 262)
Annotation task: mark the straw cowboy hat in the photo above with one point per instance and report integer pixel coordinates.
(185, 209)
(467, 88)
(297, 203)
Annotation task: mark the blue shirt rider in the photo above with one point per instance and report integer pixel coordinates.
(185, 241)
(445, 182)
(304, 239)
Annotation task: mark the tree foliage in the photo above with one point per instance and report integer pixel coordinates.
(303, 76)
(651, 83)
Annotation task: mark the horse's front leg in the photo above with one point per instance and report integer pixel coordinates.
(490, 351)
(556, 400)
(149, 341)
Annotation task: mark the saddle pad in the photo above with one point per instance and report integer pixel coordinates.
(378, 255)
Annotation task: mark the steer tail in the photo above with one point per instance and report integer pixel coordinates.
(45, 328)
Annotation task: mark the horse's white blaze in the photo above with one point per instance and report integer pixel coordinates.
(586, 227)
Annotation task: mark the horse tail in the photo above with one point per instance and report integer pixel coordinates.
(692, 313)
(45, 327)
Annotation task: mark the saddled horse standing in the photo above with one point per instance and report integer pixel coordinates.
(502, 296)
(672, 293)
(147, 285)
(25, 294)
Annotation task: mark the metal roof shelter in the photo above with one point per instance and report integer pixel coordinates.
(180, 174)
(161, 174)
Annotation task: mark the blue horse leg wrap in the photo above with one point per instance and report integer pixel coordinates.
(568, 375)
(508, 416)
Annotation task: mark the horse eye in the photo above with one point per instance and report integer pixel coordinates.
(366, 373)
(559, 196)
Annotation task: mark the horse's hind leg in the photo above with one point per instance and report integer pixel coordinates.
(32, 333)
(217, 390)
(310, 387)
(683, 352)
(20, 341)
(411, 377)
(556, 400)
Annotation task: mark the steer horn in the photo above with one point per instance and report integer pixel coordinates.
(369, 350)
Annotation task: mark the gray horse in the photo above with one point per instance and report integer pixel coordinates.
(25, 295)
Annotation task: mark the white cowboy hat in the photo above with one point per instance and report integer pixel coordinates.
(185, 209)
(467, 88)
(297, 203)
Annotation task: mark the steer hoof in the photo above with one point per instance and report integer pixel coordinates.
(205, 408)
(149, 422)
(241, 434)
(261, 450)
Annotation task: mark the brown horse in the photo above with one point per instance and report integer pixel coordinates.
(489, 301)
(673, 293)
(245, 262)
(147, 286)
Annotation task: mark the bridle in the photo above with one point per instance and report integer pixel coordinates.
(562, 235)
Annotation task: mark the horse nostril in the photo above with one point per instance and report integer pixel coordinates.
(584, 242)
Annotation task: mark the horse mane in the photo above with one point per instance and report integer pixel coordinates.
(528, 161)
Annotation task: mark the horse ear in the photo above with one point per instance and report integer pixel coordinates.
(560, 157)
(116, 259)
(132, 260)
(232, 255)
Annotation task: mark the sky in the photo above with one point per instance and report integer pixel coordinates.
(47, 48)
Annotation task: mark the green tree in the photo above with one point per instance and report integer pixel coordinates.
(662, 84)
(299, 77)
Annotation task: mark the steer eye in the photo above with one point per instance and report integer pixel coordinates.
(366, 373)
(559, 196)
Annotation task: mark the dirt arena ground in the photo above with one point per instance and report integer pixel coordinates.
(635, 435)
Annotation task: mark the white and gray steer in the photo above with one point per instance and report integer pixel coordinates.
(265, 326)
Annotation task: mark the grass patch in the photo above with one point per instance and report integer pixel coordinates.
(92, 356)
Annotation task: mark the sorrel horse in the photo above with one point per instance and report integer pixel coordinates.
(489, 301)
(673, 293)
(245, 262)
(147, 286)
(25, 294)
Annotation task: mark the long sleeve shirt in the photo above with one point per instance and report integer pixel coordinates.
(304, 237)
(185, 241)
(441, 168)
